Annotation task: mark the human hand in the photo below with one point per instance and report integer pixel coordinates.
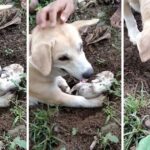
(49, 14)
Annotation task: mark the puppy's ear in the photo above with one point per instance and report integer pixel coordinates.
(143, 45)
(41, 58)
(81, 24)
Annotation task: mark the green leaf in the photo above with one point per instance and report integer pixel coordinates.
(144, 144)
(74, 131)
(112, 138)
(20, 143)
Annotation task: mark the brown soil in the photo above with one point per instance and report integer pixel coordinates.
(12, 38)
(88, 121)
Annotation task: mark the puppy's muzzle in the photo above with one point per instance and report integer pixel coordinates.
(88, 73)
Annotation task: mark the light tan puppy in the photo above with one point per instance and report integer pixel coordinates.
(143, 39)
(56, 52)
(137, 37)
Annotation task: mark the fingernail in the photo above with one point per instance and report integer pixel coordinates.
(63, 18)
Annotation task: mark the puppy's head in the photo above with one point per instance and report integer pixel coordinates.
(61, 49)
(143, 45)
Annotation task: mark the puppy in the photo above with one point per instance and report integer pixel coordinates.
(140, 39)
(143, 38)
(57, 52)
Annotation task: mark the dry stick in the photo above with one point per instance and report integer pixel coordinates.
(16, 20)
(92, 146)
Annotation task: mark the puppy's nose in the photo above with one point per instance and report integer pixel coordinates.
(88, 73)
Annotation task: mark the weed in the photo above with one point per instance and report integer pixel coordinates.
(111, 114)
(8, 51)
(106, 140)
(12, 143)
(19, 113)
(133, 125)
(42, 130)
(116, 88)
(22, 86)
(74, 131)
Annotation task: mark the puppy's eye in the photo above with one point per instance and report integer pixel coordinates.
(64, 58)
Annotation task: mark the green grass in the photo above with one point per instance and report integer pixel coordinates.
(133, 124)
(19, 113)
(42, 127)
(11, 143)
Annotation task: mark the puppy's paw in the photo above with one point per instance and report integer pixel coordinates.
(63, 85)
(33, 101)
(133, 36)
(98, 101)
(88, 103)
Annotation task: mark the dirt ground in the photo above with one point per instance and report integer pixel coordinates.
(103, 55)
(13, 40)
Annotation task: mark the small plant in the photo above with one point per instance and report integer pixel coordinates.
(74, 131)
(19, 113)
(116, 88)
(106, 140)
(21, 86)
(110, 113)
(12, 143)
(42, 130)
(8, 51)
(133, 125)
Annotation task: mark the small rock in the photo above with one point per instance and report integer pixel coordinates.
(133, 148)
(17, 130)
(147, 123)
(110, 127)
(81, 3)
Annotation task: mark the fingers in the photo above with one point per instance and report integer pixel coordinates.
(49, 14)
(41, 18)
(53, 17)
(67, 12)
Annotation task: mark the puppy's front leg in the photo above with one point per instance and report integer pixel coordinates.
(77, 101)
(61, 82)
(130, 23)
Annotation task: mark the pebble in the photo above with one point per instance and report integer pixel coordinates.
(147, 123)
